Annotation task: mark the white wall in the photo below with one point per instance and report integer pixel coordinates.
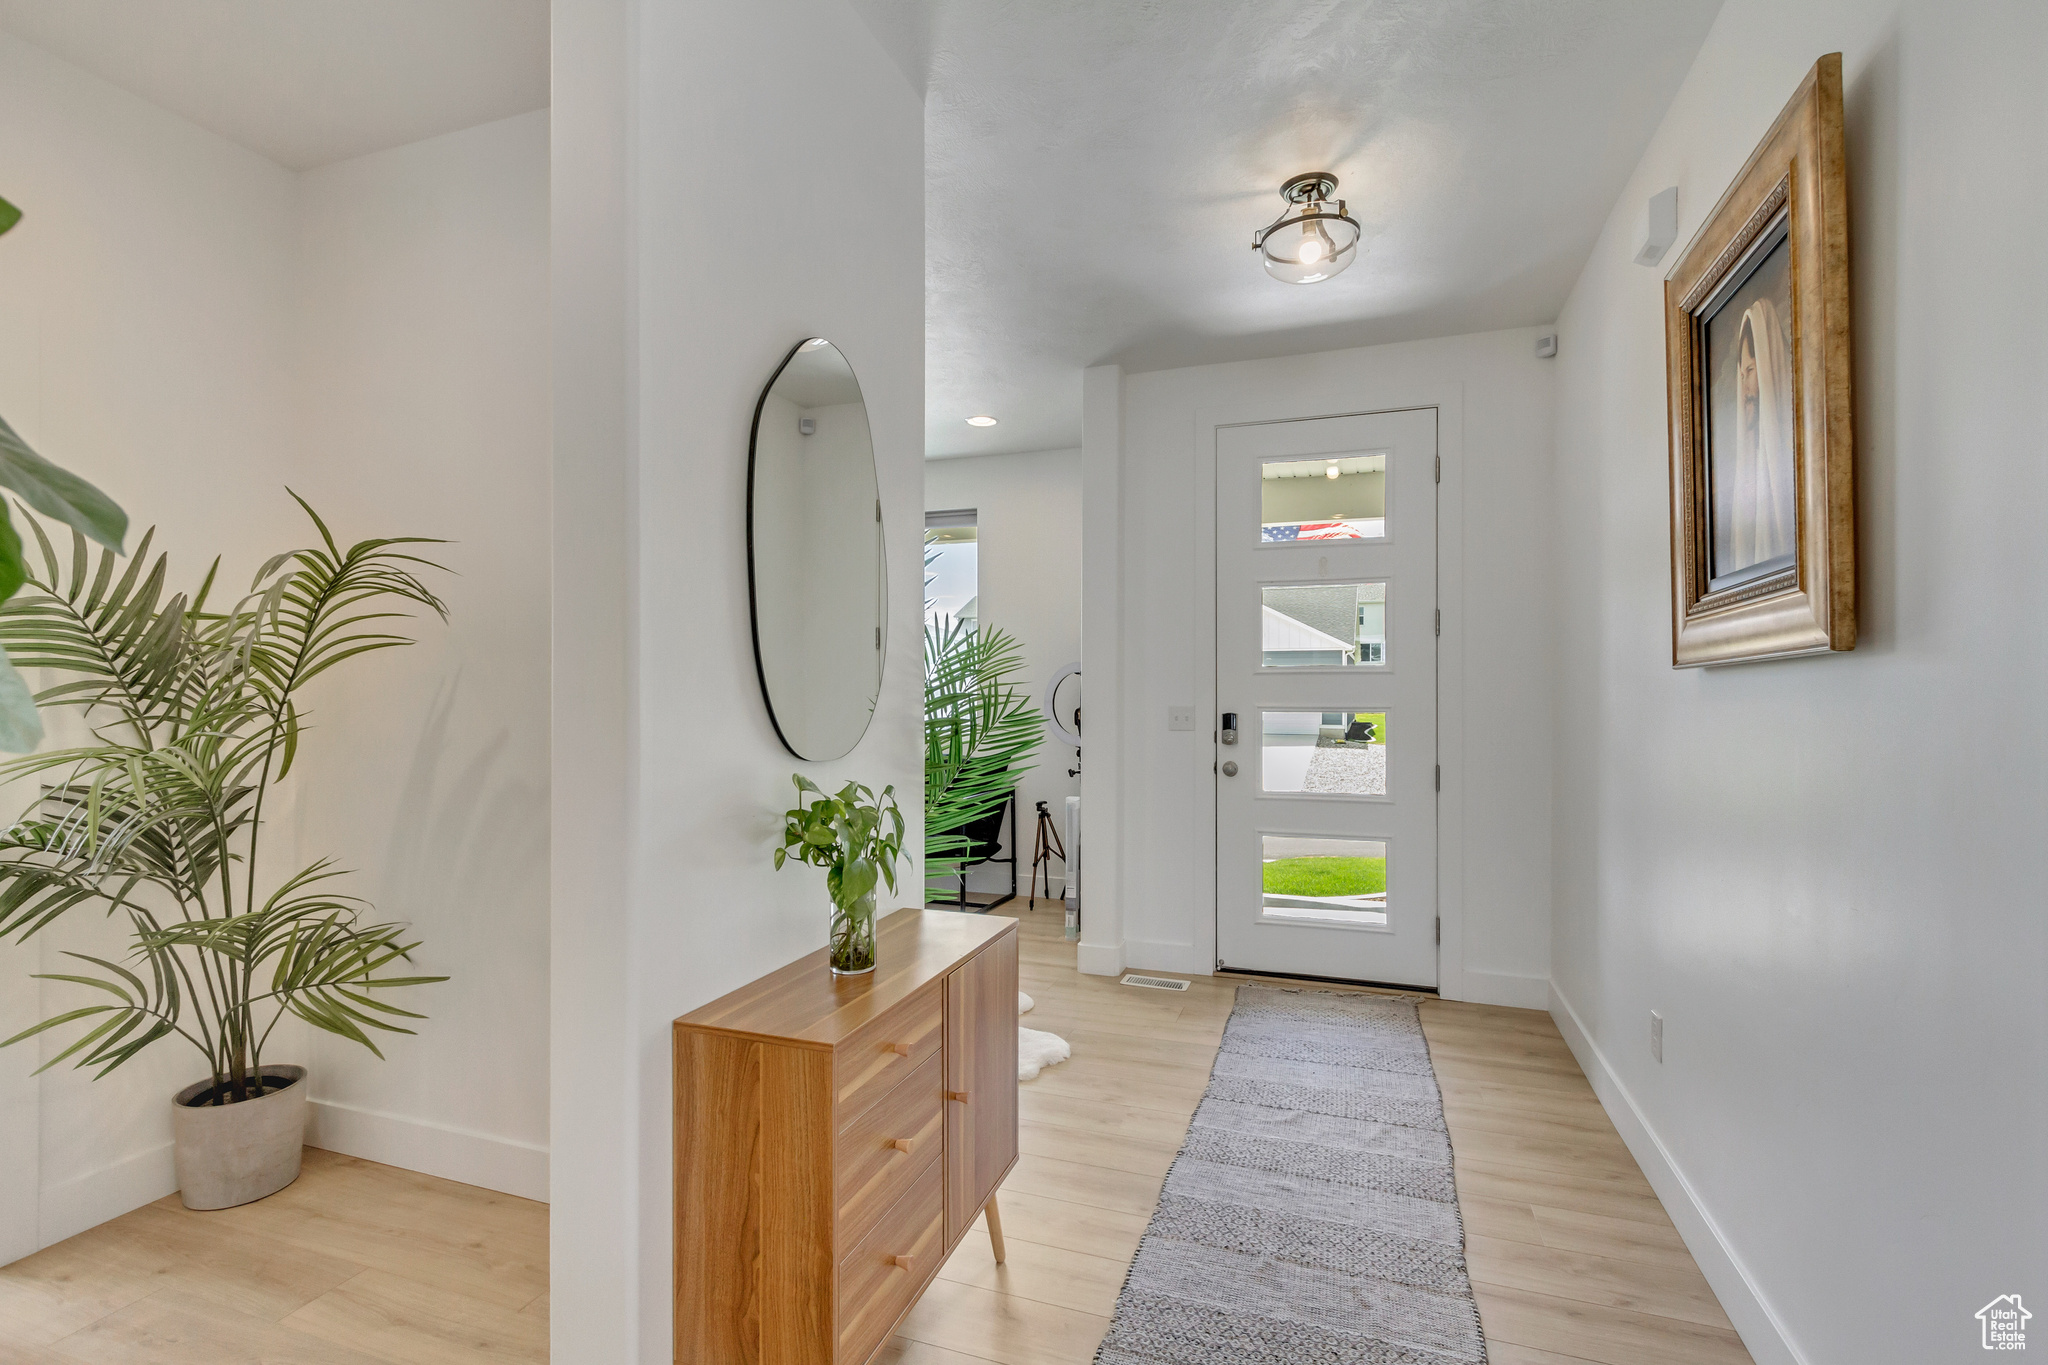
(1825, 872)
(1028, 561)
(145, 338)
(422, 409)
(668, 780)
(194, 328)
(1494, 589)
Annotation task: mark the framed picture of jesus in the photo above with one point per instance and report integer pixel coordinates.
(1756, 313)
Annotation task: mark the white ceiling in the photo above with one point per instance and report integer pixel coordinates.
(306, 82)
(1094, 172)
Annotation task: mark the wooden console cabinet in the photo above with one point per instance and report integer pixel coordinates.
(836, 1136)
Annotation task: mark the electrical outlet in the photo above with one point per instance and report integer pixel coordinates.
(1180, 717)
(1656, 1036)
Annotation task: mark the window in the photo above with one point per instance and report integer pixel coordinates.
(1326, 625)
(1323, 881)
(1323, 753)
(952, 581)
(1329, 497)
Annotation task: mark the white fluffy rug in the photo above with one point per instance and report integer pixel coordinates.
(1036, 1050)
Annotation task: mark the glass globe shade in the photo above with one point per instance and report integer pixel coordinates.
(1312, 247)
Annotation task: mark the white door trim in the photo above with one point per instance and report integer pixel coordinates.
(1351, 401)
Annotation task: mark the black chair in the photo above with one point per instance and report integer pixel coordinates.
(984, 835)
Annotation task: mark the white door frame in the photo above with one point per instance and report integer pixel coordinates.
(1352, 401)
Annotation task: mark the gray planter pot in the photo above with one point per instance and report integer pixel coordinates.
(233, 1154)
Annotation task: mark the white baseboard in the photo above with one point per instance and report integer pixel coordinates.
(1507, 988)
(458, 1154)
(85, 1201)
(1762, 1331)
(1100, 959)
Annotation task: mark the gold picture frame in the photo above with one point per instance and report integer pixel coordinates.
(1756, 325)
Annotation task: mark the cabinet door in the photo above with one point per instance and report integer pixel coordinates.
(981, 1065)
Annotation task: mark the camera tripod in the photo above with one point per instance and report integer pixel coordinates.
(1045, 847)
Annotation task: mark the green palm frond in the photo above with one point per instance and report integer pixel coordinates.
(980, 730)
(195, 714)
(121, 646)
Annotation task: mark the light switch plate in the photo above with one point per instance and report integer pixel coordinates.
(1180, 717)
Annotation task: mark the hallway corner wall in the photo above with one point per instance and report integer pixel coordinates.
(1823, 872)
(672, 310)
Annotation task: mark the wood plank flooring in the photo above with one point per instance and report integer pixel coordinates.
(1572, 1257)
(355, 1264)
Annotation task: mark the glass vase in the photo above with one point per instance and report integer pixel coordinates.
(853, 938)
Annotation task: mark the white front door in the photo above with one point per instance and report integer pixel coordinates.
(1326, 662)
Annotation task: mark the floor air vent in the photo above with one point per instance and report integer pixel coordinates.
(1157, 983)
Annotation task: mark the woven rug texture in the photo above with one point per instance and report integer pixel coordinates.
(1310, 1215)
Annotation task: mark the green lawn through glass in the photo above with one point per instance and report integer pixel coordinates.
(1326, 876)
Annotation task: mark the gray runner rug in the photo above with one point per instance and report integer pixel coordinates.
(1310, 1215)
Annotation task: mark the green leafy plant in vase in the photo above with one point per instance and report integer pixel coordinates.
(857, 837)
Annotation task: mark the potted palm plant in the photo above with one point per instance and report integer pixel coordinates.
(194, 716)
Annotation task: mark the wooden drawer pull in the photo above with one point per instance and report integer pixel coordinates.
(960, 1095)
(903, 1144)
(903, 1262)
(900, 1049)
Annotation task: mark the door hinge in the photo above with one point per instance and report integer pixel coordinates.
(1439, 469)
(1439, 933)
(1439, 777)
(878, 637)
(1439, 620)
(878, 511)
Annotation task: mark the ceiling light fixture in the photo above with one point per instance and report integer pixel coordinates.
(1332, 471)
(982, 421)
(1313, 238)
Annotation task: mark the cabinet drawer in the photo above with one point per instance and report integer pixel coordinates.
(887, 1148)
(876, 1060)
(879, 1278)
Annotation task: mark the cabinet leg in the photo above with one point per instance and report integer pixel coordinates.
(995, 1228)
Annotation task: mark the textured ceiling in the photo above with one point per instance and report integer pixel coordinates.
(1094, 172)
(306, 82)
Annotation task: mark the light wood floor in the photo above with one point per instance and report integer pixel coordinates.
(1572, 1258)
(356, 1264)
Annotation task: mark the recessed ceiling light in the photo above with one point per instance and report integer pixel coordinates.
(813, 344)
(982, 421)
(1333, 471)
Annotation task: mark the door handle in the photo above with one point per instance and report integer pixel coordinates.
(1230, 767)
(1229, 733)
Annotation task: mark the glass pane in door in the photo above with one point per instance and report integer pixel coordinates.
(1323, 753)
(1323, 881)
(1330, 497)
(1323, 625)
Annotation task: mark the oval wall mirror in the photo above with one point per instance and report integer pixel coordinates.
(816, 568)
